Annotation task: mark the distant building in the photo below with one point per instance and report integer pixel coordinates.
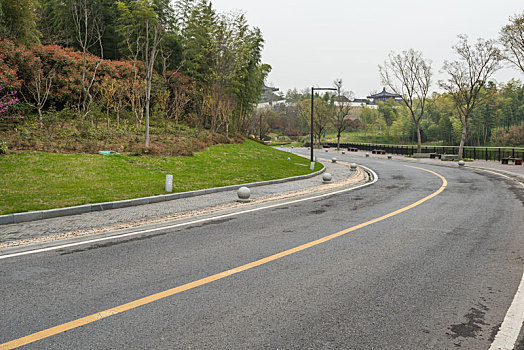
(383, 96)
(274, 104)
(269, 88)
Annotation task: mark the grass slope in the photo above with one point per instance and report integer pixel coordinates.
(36, 181)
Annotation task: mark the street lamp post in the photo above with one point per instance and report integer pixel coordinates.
(312, 108)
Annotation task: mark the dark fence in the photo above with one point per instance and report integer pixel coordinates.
(485, 153)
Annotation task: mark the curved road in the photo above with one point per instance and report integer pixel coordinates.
(439, 275)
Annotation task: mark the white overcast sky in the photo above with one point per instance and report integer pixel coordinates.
(311, 43)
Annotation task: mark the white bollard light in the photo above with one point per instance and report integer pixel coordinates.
(326, 178)
(367, 155)
(343, 152)
(243, 194)
(312, 166)
(169, 183)
(326, 150)
(334, 160)
(390, 156)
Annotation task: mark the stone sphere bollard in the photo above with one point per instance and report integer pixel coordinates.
(343, 152)
(292, 147)
(353, 167)
(243, 194)
(367, 155)
(390, 156)
(326, 178)
(326, 149)
(334, 160)
(461, 163)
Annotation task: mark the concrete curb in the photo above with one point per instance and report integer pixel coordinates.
(87, 208)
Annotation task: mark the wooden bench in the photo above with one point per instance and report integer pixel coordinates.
(422, 155)
(378, 151)
(352, 149)
(449, 156)
(516, 161)
(326, 146)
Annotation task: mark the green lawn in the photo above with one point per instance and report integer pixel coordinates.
(36, 181)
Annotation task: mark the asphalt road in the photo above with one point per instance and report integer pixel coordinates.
(440, 275)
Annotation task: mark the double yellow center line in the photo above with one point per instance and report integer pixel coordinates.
(46, 333)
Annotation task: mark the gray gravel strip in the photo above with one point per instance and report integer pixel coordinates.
(100, 219)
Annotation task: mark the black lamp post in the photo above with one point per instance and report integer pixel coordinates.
(312, 108)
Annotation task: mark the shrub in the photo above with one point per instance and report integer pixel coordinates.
(514, 137)
(3, 147)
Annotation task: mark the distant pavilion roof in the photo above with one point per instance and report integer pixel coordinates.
(384, 95)
(269, 88)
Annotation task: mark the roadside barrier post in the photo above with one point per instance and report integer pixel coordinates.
(169, 183)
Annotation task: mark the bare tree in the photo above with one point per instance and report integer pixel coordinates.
(409, 75)
(39, 86)
(342, 108)
(88, 33)
(108, 90)
(468, 75)
(153, 36)
(143, 31)
(177, 103)
(512, 37)
(134, 92)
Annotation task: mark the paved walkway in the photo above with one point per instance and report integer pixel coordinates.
(103, 221)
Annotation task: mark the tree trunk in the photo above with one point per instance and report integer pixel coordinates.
(148, 98)
(107, 118)
(463, 138)
(40, 119)
(149, 74)
(338, 141)
(419, 139)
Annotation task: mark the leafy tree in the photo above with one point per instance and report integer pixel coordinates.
(18, 20)
(322, 115)
(367, 118)
(388, 112)
(483, 117)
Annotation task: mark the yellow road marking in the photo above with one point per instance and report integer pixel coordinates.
(170, 292)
